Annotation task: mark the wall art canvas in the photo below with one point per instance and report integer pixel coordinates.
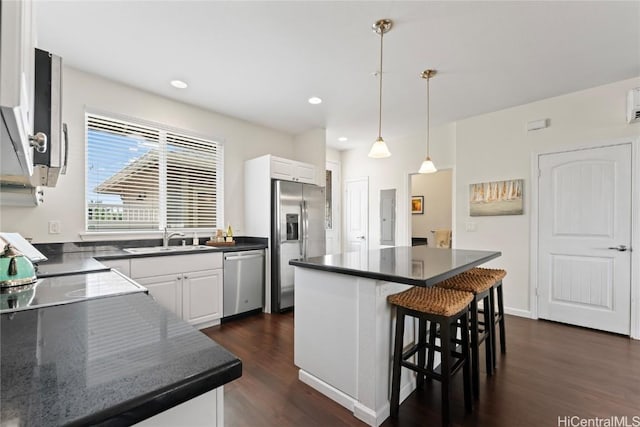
(496, 198)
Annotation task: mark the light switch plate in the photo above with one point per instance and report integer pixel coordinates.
(470, 226)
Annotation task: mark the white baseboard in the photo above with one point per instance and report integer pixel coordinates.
(329, 391)
(518, 312)
(361, 412)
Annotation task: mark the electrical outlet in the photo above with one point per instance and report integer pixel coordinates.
(470, 226)
(54, 227)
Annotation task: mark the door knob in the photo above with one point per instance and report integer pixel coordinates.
(361, 237)
(620, 248)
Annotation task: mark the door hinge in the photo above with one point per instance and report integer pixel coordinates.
(539, 173)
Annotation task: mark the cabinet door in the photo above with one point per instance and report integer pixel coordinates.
(166, 290)
(282, 169)
(305, 172)
(122, 265)
(202, 293)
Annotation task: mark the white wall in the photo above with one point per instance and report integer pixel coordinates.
(437, 192)
(310, 147)
(242, 140)
(491, 147)
(496, 146)
(393, 172)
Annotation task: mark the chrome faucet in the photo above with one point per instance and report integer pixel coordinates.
(167, 236)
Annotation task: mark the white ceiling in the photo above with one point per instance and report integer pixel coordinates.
(261, 61)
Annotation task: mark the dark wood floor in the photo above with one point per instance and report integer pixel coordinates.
(551, 370)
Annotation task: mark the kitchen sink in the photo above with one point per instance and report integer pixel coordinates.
(165, 249)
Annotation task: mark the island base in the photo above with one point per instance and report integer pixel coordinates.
(343, 340)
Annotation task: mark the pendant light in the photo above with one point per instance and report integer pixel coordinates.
(427, 165)
(379, 149)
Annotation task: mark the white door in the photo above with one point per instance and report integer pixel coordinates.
(332, 220)
(357, 214)
(584, 268)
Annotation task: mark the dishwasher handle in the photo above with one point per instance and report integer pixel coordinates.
(237, 257)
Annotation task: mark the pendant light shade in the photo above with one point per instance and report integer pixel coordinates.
(379, 149)
(427, 165)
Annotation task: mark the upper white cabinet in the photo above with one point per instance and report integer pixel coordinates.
(292, 170)
(258, 174)
(17, 43)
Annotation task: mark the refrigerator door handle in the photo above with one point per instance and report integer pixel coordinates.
(305, 231)
(301, 230)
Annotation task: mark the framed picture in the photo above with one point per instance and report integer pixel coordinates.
(417, 205)
(496, 198)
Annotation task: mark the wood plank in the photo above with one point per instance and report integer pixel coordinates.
(550, 370)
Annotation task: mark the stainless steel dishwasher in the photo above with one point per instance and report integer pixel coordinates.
(243, 282)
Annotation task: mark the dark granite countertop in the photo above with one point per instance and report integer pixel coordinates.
(417, 265)
(74, 258)
(113, 360)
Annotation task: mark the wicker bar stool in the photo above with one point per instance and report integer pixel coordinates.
(480, 286)
(437, 306)
(498, 316)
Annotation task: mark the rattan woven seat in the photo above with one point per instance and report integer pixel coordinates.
(496, 273)
(443, 302)
(468, 282)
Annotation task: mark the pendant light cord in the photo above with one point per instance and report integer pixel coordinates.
(380, 92)
(428, 116)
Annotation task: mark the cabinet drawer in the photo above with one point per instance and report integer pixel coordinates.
(174, 264)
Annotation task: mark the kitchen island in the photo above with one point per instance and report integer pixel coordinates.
(343, 323)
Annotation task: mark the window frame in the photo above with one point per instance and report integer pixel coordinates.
(162, 221)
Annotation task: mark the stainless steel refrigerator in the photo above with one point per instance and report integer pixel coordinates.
(297, 231)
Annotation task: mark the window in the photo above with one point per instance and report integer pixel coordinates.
(142, 177)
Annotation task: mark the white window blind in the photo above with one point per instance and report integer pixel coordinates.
(141, 177)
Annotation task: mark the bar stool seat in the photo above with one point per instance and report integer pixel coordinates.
(448, 309)
(480, 285)
(498, 316)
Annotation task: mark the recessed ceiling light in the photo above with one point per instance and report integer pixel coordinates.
(179, 84)
(343, 139)
(315, 100)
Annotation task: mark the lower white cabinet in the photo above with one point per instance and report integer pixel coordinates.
(204, 410)
(202, 296)
(189, 285)
(166, 290)
(122, 265)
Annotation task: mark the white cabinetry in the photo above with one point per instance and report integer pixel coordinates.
(121, 265)
(188, 285)
(17, 43)
(292, 170)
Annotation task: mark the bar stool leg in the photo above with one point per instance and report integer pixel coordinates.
(422, 340)
(466, 367)
(503, 341)
(397, 359)
(492, 315)
(489, 324)
(433, 330)
(475, 364)
(445, 372)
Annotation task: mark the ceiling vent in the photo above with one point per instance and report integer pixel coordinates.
(633, 105)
